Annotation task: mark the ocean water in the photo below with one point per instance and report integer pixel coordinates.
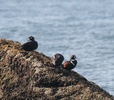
(81, 27)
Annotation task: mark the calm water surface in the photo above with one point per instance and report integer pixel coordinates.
(81, 27)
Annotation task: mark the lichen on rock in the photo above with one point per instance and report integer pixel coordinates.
(31, 76)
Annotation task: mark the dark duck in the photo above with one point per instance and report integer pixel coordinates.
(30, 45)
(57, 59)
(68, 65)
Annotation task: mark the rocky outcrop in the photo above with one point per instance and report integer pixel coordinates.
(31, 76)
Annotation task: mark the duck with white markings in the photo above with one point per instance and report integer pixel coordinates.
(57, 59)
(69, 65)
(30, 45)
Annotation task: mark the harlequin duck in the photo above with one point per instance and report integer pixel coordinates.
(30, 45)
(57, 59)
(68, 65)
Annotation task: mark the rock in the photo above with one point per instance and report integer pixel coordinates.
(31, 76)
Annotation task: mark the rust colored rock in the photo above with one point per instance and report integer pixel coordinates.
(31, 76)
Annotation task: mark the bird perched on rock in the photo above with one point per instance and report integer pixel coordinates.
(30, 45)
(68, 65)
(57, 59)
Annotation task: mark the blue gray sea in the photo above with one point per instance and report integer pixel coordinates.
(81, 27)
